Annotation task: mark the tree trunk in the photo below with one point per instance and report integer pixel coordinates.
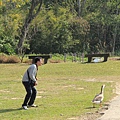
(31, 15)
(114, 40)
(114, 35)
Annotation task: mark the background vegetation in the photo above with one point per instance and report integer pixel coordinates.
(54, 26)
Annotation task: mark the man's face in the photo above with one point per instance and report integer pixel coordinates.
(40, 62)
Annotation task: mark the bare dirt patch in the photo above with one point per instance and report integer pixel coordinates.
(4, 91)
(92, 115)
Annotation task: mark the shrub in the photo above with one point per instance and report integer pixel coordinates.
(12, 59)
(8, 59)
(3, 58)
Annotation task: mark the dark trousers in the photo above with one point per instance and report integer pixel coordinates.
(31, 94)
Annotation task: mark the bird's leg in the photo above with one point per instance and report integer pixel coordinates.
(93, 105)
(100, 104)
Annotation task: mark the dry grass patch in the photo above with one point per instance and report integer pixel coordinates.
(9, 59)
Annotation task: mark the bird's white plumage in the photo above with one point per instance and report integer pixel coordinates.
(99, 97)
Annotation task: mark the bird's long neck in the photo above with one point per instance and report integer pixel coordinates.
(102, 90)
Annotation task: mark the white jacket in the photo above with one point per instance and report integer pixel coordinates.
(32, 70)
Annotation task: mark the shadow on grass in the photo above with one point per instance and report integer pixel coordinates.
(89, 107)
(9, 110)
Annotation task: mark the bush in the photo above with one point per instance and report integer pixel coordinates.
(12, 59)
(3, 59)
(8, 59)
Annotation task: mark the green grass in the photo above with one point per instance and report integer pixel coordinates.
(65, 90)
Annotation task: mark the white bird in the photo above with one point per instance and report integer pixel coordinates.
(99, 97)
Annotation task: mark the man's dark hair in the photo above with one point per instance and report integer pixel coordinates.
(37, 59)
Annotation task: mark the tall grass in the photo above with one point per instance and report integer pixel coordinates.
(65, 90)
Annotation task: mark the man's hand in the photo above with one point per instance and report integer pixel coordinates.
(36, 83)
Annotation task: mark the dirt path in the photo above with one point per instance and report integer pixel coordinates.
(113, 112)
(110, 111)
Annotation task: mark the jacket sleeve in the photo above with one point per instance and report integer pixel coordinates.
(32, 73)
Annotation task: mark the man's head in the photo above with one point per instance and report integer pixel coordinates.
(38, 61)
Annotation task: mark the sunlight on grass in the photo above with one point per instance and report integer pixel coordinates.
(65, 90)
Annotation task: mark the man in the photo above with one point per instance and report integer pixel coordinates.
(30, 81)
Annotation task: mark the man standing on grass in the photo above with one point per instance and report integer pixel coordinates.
(30, 81)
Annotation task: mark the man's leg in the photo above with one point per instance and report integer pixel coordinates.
(29, 93)
(33, 96)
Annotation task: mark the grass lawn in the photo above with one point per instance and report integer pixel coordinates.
(65, 90)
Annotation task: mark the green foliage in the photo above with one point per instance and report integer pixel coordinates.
(54, 35)
(62, 26)
(101, 16)
(7, 45)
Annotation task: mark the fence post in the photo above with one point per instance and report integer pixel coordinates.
(73, 57)
(65, 56)
(82, 58)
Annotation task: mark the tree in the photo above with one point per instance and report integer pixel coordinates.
(103, 19)
(9, 24)
(60, 25)
(33, 12)
(53, 34)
